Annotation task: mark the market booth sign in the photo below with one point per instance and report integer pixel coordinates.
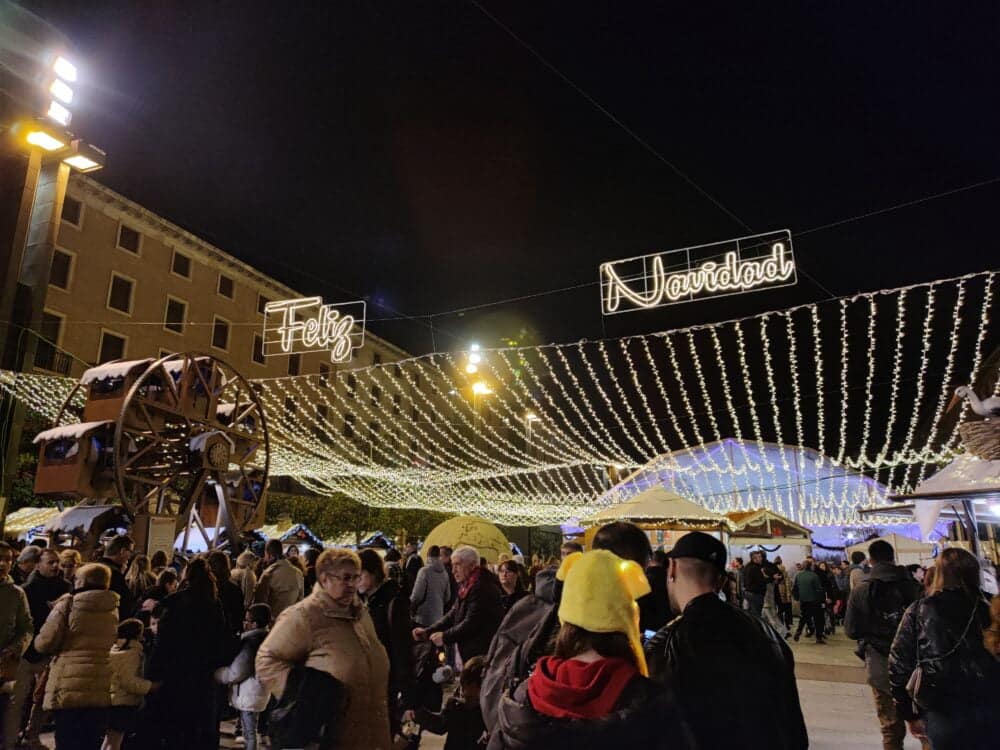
(720, 269)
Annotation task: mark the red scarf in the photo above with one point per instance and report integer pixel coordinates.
(469, 582)
(573, 689)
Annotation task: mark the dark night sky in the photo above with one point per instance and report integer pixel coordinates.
(415, 153)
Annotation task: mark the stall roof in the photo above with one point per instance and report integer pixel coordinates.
(660, 505)
(755, 522)
(965, 476)
(23, 520)
(114, 370)
(70, 431)
(79, 519)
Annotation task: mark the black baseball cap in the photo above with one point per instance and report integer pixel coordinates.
(700, 546)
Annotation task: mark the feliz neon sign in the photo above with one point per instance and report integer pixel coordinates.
(296, 326)
(747, 264)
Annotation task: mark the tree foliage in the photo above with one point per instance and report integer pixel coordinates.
(331, 517)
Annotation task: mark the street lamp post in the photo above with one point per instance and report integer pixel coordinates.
(37, 153)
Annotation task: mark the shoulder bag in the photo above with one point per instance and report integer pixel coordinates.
(921, 689)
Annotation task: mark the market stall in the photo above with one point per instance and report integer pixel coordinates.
(665, 516)
(27, 523)
(908, 551)
(774, 534)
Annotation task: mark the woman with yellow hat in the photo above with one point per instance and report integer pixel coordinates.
(593, 692)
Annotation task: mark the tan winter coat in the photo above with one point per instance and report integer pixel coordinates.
(127, 687)
(79, 631)
(280, 586)
(342, 642)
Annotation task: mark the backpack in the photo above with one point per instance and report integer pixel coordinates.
(886, 604)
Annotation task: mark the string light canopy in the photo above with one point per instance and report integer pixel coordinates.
(540, 434)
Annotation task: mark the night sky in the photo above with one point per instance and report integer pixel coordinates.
(416, 154)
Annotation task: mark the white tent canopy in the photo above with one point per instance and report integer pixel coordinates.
(658, 504)
(734, 475)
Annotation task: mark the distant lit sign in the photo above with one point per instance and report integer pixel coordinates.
(747, 264)
(298, 326)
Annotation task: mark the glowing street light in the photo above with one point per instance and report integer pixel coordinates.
(472, 368)
(530, 417)
(480, 388)
(44, 140)
(64, 69)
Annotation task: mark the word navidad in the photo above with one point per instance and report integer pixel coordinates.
(330, 328)
(749, 265)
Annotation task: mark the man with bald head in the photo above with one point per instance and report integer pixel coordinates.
(732, 674)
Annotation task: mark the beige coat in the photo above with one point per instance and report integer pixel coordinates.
(127, 687)
(246, 579)
(79, 631)
(279, 587)
(342, 642)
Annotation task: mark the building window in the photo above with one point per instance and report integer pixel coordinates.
(226, 286)
(261, 303)
(376, 359)
(220, 333)
(180, 265)
(61, 271)
(395, 403)
(112, 347)
(47, 354)
(120, 293)
(416, 380)
(373, 428)
(129, 239)
(399, 371)
(175, 315)
(324, 375)
(352, 385)
(320, 429)
(348, 425)
(72, 212)
(258, 349)
(376, 395)
(294, 364)
(289, 406)
(165, 353)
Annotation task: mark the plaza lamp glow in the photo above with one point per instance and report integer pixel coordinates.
(44, 140)
(64, 69)
(58, 113)
(85, 157)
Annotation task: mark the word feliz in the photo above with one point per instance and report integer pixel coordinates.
(330, 329)
(730, 276)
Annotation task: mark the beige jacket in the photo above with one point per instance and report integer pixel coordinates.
(279, 587)
(79, 631)
(342, 642)
(246, 579)
(127, 687)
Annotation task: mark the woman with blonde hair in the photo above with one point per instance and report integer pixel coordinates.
(943, 679)
(79, 633)
(140, 576)
(331, 631)
(243, 576)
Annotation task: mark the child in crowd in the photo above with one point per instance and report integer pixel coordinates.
(246, 694)
(461, 719)
(128, 687)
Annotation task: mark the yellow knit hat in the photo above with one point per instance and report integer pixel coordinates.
(599, 594)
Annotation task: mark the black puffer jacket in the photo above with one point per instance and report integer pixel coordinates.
(733, 675)
(931, 628)
(645, 718)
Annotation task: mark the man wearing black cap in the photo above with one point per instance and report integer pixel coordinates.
(733, 675)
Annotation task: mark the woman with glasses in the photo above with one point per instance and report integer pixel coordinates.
(331, 631)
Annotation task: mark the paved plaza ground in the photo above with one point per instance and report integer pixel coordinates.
(838, 706)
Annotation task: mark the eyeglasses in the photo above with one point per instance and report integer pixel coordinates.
(347, 577)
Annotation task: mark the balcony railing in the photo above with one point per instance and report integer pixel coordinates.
(47, 357)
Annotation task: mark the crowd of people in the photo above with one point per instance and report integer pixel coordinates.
(615, 645)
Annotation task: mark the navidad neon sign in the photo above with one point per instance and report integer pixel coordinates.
(762, 261)
(296, 326)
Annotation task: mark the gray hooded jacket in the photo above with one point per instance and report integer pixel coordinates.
(431, 592)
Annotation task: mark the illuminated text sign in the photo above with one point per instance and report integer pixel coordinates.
(763, 261)
(295, 326)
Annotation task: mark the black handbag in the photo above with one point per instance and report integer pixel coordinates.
(303, 716)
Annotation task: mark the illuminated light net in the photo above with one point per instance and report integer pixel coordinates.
(860, 383)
